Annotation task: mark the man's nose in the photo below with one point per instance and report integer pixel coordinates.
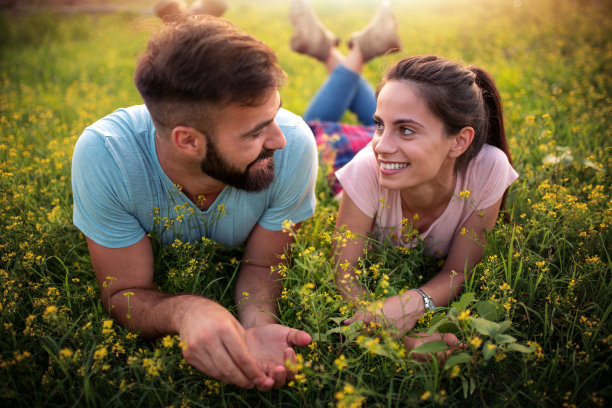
(275, 139)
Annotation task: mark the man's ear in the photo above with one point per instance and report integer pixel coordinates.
(188, 140)
(463, 140)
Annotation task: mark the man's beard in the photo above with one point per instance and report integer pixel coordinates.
(216, 167)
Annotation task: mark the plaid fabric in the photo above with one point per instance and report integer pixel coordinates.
(337, 144)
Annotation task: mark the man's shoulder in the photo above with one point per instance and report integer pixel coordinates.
(293, 126)
(288, 118)
(114, 142)
(121, 131)
(123, 121)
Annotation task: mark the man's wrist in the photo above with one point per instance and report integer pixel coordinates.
(252, 315)
(185, 306)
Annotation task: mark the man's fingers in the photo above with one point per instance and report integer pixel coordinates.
(289, 356)
(298, 338)
(219, 366)
(279, 374)
(242, 359)
(266, 385)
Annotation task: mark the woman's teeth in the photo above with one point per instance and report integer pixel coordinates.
(393, 166)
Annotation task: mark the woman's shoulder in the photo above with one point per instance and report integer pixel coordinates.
(491, 155)
(491, 162)
(489, 174)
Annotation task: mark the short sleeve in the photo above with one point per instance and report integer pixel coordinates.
(494, 173)
(359, 179)
(100, 195)
(293, 196)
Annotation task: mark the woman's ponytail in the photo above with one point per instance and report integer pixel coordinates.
(494, 123)
(494, 116)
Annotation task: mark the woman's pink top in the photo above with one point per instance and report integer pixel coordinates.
(487, 177)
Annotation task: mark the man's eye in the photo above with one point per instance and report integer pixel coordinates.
(258, 133)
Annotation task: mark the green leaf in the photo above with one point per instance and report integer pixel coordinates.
(434, 346)
(490, 310)
(340, 329)
(442, 325)
(505, 325)
(485, 327)
(459, 358)
(320, 337)
(345, 329)
(504, 339)
(338, 320)
(436, 318)
(464, 384)
(464, 301)
(488, 350)
(519, 347)
(489, 328)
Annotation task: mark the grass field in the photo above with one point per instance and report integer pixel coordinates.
(536, 315)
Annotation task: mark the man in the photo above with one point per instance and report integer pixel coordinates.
(210, 154)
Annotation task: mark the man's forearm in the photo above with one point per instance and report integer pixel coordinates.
(257, 292)
(150, 312)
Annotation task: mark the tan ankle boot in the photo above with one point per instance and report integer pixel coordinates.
(168, 8)
(213, 7)
(378, 37)
(310, 37)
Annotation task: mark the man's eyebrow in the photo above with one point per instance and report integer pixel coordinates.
(261, 125)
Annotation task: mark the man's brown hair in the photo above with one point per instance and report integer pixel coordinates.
(199, 63)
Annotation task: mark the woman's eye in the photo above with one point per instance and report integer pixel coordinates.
(379, 126)
(406, 131)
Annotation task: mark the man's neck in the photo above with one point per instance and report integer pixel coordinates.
(201, 189)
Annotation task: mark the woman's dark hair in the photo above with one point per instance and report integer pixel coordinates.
(199, 63)
(460, 96)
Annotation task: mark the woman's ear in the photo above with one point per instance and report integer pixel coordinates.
(463, 140)
(188, 140)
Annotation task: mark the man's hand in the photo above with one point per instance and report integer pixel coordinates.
(271, 345)
(401, 311)
(215, 343)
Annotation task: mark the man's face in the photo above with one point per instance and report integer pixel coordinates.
(241, 153)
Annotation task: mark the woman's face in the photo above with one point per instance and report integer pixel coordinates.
(410, 144)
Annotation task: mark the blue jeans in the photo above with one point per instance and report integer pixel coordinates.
(344, 89)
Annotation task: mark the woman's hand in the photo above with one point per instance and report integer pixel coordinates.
(401, 311)
(415, 340)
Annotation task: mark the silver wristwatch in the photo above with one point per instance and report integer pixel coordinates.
(427, 300)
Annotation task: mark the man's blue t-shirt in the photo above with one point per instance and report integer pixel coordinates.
(122, 193)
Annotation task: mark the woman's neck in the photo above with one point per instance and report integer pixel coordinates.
(427, 202)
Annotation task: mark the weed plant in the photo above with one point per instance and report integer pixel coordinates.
(534, 317)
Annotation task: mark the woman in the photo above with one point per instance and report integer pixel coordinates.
(438, 163)
(438, 159)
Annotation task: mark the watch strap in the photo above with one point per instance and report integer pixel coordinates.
(427, 300)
